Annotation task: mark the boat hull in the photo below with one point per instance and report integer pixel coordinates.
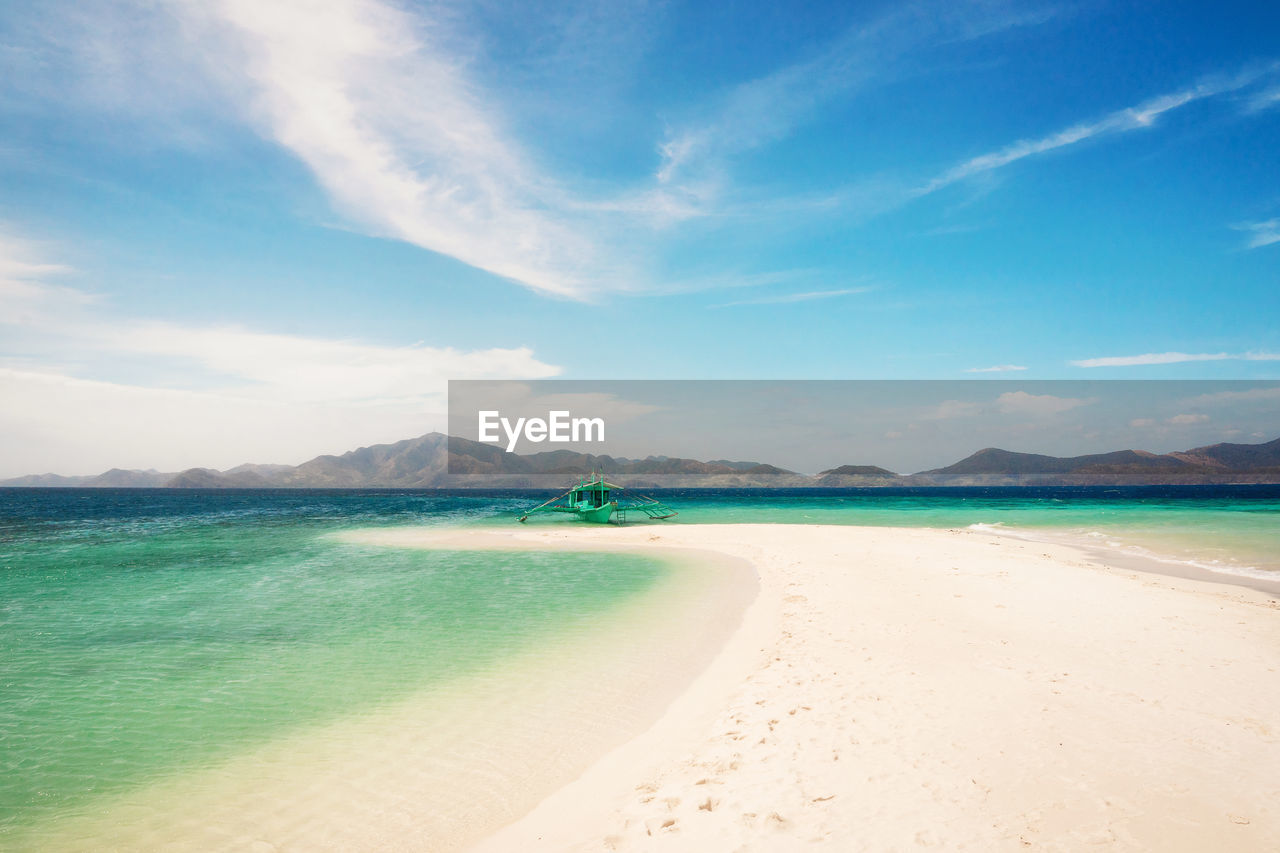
(599, 514)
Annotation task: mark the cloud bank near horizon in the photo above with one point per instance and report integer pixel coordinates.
(178, 394)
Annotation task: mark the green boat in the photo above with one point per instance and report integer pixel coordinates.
(592, 499)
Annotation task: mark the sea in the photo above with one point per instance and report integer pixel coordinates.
(158, 645)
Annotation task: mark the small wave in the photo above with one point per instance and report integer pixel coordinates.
(999, 528)
(1218, 567)
(1090, 539)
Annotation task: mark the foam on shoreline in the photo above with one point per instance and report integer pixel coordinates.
(1112, 549)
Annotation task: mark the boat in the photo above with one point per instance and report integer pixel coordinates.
(593, 499)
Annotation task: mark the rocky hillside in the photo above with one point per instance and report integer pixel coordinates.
(437, 461)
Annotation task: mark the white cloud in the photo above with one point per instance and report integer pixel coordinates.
(275, 366)
(999, 368)
(1172, 358)
(373, 100)
(265, 397)
(1022, 403)
(770, 107)
(1263, 233)
(226, 394)
(375, 97)
(1136, 117)
(288, 367)
(25, 296)
(383, 101)
(1264, 100)
(787, 298)
(1189, 419)
(19, 261)
(1149, 358)
(675, 152)
(1142, 422)
(52, 422)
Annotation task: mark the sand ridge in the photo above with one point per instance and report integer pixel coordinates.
(907, 688)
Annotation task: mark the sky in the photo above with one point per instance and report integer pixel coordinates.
(247, 231)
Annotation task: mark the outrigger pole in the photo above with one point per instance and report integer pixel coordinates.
(529, 512)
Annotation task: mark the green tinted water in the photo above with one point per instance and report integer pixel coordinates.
(131, 651)
(1226, 529)
(145, 634)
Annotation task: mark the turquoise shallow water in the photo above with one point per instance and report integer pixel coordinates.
(144, 633)
(144, 638)
(1232, 529)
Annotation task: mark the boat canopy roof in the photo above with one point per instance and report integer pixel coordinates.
(594, 483)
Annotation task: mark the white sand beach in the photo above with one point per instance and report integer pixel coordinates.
(903, 688)
(799, 687)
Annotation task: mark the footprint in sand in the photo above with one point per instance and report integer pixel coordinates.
(652, 826)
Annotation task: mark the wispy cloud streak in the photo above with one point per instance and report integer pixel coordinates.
(365, 95)
(20, 262)
(1138, 117)
(1173, 358)
(999, 368)
(770, 108)
(1264, 100)
(788, 298)
(383, 103)
(1261, 233)
(27, 297)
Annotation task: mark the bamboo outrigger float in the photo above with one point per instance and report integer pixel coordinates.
(590, 499)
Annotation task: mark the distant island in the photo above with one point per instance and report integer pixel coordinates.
(439, 461)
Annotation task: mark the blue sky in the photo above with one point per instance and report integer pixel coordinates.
(249, 231)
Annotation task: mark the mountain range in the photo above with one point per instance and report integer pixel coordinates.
(438, 461)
